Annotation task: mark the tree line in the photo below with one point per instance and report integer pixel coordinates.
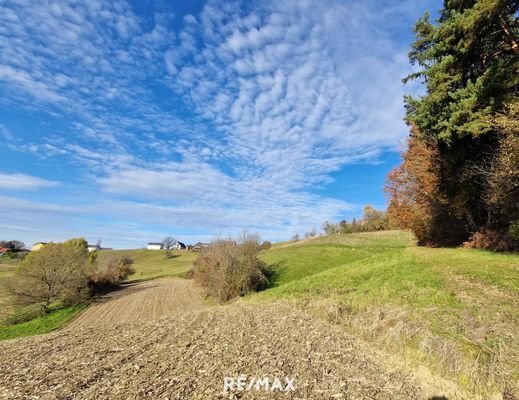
(459, 178)
(372, 220)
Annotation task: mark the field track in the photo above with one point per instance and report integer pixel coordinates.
(144, 301)
(158, 340)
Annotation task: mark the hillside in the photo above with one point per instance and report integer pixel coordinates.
(152, 264)
(452, 310)
(456, 310)
(6, 271)
(147, 264)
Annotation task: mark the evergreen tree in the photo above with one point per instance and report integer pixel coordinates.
(469, 64)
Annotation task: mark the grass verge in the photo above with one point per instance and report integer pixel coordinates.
(44, 324)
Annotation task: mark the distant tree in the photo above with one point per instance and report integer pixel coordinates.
(345, 227)
(14, 245)
(296, 237)
(266, 245)
(331, 228)
(58, 272)
(374, 220)
(168, 244)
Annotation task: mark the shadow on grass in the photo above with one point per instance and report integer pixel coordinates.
(274, 273)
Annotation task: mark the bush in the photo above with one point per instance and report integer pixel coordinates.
(112, 275)
(491, 240)
(56, 273)
(514, 230)
(228, 269)
(266, 245)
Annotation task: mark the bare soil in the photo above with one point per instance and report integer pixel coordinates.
(143, 301)
(158, 340)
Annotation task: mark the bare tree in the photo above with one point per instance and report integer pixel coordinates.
(169, 242)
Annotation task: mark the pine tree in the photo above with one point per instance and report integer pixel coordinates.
(469, 64)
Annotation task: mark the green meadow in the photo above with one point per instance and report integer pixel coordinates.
(454, 309)
(152, 264)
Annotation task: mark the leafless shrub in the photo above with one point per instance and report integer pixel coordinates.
(110, 276)
(228, 269)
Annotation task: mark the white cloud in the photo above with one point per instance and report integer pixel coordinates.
(24, 182)
(304, 89)
(92, 62)
(174, 181)
(273, 99)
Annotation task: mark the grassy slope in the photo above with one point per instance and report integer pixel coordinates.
(152, 264)
(6, 271)
(148, 265)
(37, 326)
(456, 309)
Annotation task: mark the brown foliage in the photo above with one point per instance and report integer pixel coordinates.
(228, 269)
(490, 240)
(116, 271)
(413, 189)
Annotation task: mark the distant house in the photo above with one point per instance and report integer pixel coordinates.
(200, 246)
(38, 246)
(179, 246)
(93, 247)
(155, 246)
(3, 250)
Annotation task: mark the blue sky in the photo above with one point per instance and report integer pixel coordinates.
(129, 121)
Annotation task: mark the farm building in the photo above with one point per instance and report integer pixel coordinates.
(200, 246)
(37, 246)
(93, 247)
(154, 246)
(179, 246)
(4, 250)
